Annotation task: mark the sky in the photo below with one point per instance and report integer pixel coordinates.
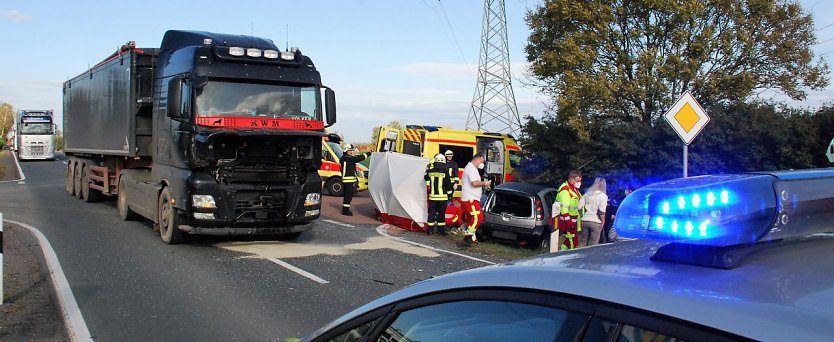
(412, 61)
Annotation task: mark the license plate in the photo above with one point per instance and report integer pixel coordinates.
(504, 235)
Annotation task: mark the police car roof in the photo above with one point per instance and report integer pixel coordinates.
(779, 293)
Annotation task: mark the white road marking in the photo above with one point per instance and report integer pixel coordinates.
(76, 326)
(339, 223)
(381, 230)
(303, 273)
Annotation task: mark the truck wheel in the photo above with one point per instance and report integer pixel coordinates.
(70, 181)
(76, 179)
(88, 194)
(334, 187)
(121, 203)
(169, 220)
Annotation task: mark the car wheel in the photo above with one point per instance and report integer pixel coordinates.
(169, 220)
(543, 244)
(334, 187)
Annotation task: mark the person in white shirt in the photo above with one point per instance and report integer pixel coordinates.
(470, 196)
(596, 201)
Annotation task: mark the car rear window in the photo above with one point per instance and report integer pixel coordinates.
(513, 204)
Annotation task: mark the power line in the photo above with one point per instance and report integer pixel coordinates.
(824, 27)
(452, 32)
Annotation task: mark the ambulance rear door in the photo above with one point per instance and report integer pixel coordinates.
(387, 140)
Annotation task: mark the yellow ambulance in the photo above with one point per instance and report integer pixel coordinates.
(501, 151)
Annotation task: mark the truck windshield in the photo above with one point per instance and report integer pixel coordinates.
(262, 100)
(36, 128)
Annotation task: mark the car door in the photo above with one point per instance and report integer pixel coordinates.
(516, 315)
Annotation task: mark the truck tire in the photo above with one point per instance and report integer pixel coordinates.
(169, 220)
(70, 181)
(334, 187)
(88, 194)
(76, 178)
(121, 203)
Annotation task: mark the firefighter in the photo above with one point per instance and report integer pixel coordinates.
(349, 179)
(440, 186)
(452, 166)
(567, 222)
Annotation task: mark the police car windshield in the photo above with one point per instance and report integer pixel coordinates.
(259, 100)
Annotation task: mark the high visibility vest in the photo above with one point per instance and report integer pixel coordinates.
(568, 198)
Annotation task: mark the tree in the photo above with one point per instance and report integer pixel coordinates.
(6, 119)
(625, 60)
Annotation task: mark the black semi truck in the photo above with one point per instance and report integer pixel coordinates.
(209, 134)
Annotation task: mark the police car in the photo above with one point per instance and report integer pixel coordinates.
(729, 257)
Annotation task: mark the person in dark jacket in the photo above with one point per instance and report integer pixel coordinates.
(349, 179)
(452, 166)
(440, 188)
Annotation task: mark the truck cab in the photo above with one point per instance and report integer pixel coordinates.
(209, 134)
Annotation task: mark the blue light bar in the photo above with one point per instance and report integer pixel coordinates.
(725, 210)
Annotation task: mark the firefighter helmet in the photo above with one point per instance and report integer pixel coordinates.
(439, 158)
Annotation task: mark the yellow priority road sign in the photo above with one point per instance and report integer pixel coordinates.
(687, 117)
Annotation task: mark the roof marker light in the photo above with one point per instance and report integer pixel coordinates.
(253, 53)
(236, 51)
(271, 54)
(733, 209)
(287, 55)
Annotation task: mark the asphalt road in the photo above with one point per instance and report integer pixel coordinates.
(130, 286)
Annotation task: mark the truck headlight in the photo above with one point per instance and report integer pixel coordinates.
(312, 199)
(203, 201)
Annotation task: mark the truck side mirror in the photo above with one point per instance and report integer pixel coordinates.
(175, 99)
(330, 106)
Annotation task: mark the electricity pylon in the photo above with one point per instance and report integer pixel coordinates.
(493, 105)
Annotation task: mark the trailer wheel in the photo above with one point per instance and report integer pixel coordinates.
(88, 194)
(334, 187)
(121, 203)
(169, 220)
(76, 179)
(70, 180)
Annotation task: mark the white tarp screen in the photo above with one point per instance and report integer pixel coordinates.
(397, 185)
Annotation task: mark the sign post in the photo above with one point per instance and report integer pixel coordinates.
(687, 118)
